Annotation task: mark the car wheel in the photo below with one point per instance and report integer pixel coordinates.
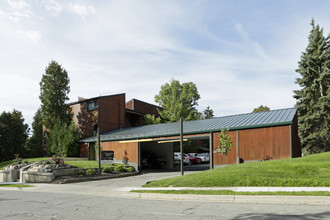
(190, 163)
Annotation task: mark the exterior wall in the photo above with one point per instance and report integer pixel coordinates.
(112, 113)
(119, 150)
(83, 150)
(84, 119)
(255, 144)
(143, 107)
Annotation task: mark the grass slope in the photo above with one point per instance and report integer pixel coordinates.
(312, 170)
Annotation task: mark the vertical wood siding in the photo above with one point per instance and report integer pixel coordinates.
(119, 150)
(256, 144)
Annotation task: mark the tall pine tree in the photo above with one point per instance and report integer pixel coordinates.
(313, 99)
(54, 90)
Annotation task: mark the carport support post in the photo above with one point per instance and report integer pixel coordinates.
(98, 135)
(181, 146)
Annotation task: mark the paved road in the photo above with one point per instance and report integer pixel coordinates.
(108, 199)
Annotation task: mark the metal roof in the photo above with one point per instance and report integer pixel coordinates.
(233, 122)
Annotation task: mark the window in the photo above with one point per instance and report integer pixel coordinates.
(107, 155)
(92, 105)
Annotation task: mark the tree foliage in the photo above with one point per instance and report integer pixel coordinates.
(225, 143)
(313, 99)
(261, 108)
(208, 113)
(54, 90)
(151, 119)
(34, 146)
(63, 139)
(178, 100)
(13, 134)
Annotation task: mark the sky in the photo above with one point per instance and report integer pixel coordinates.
(240, 54)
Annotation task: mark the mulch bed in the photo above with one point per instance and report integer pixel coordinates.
(79, 178)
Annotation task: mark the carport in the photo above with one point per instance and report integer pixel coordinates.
(255, 136)
(164, 148)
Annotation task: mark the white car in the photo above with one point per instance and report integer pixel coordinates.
(177, 157)
(205, 157)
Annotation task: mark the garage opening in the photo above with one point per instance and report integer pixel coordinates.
(164, 156)
(196, 153)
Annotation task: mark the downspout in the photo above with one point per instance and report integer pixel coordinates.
(237, 144)
(139, 158)
(291, 141)
(211, 150)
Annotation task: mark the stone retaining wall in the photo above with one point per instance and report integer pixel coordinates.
(9, 175)
(38, 177)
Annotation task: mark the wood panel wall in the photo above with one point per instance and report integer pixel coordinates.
(112, 113)
(119, 150)
(256, 144)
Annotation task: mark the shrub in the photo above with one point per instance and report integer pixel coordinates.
(57, 158)
(120, 168)
(108, 169)
(130, 169)
(90, 172)
(81, 172)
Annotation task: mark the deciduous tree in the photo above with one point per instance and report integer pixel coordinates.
(225, 143)
(178, 100)
(261, 108)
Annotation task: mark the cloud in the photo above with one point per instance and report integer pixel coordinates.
(18, 4)
(53, 6)
(82, 10)
(35, 36)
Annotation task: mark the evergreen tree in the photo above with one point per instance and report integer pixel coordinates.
(313, 99)
(178, 101)
(13, 134)
(34, 145)
(54, 90)
(208, 113)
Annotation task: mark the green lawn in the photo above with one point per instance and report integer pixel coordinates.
(230, 192)
(15, 185)
(312, 171)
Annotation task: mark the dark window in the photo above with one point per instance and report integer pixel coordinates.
(92, 105)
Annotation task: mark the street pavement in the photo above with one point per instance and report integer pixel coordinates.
(121, 187)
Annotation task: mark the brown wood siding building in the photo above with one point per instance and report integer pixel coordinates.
(255, 137)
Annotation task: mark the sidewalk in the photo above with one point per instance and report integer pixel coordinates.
(240, 189)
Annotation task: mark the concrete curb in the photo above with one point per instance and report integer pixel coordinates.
(315, 200)
(93, 178)
(242, 189)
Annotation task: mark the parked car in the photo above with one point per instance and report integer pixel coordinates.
(150, 160)
(205, 157)
(194, 160)
(177, 158)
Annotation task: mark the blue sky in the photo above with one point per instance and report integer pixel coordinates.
(241, 54)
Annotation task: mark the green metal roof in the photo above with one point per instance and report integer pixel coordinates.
(233, 122)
